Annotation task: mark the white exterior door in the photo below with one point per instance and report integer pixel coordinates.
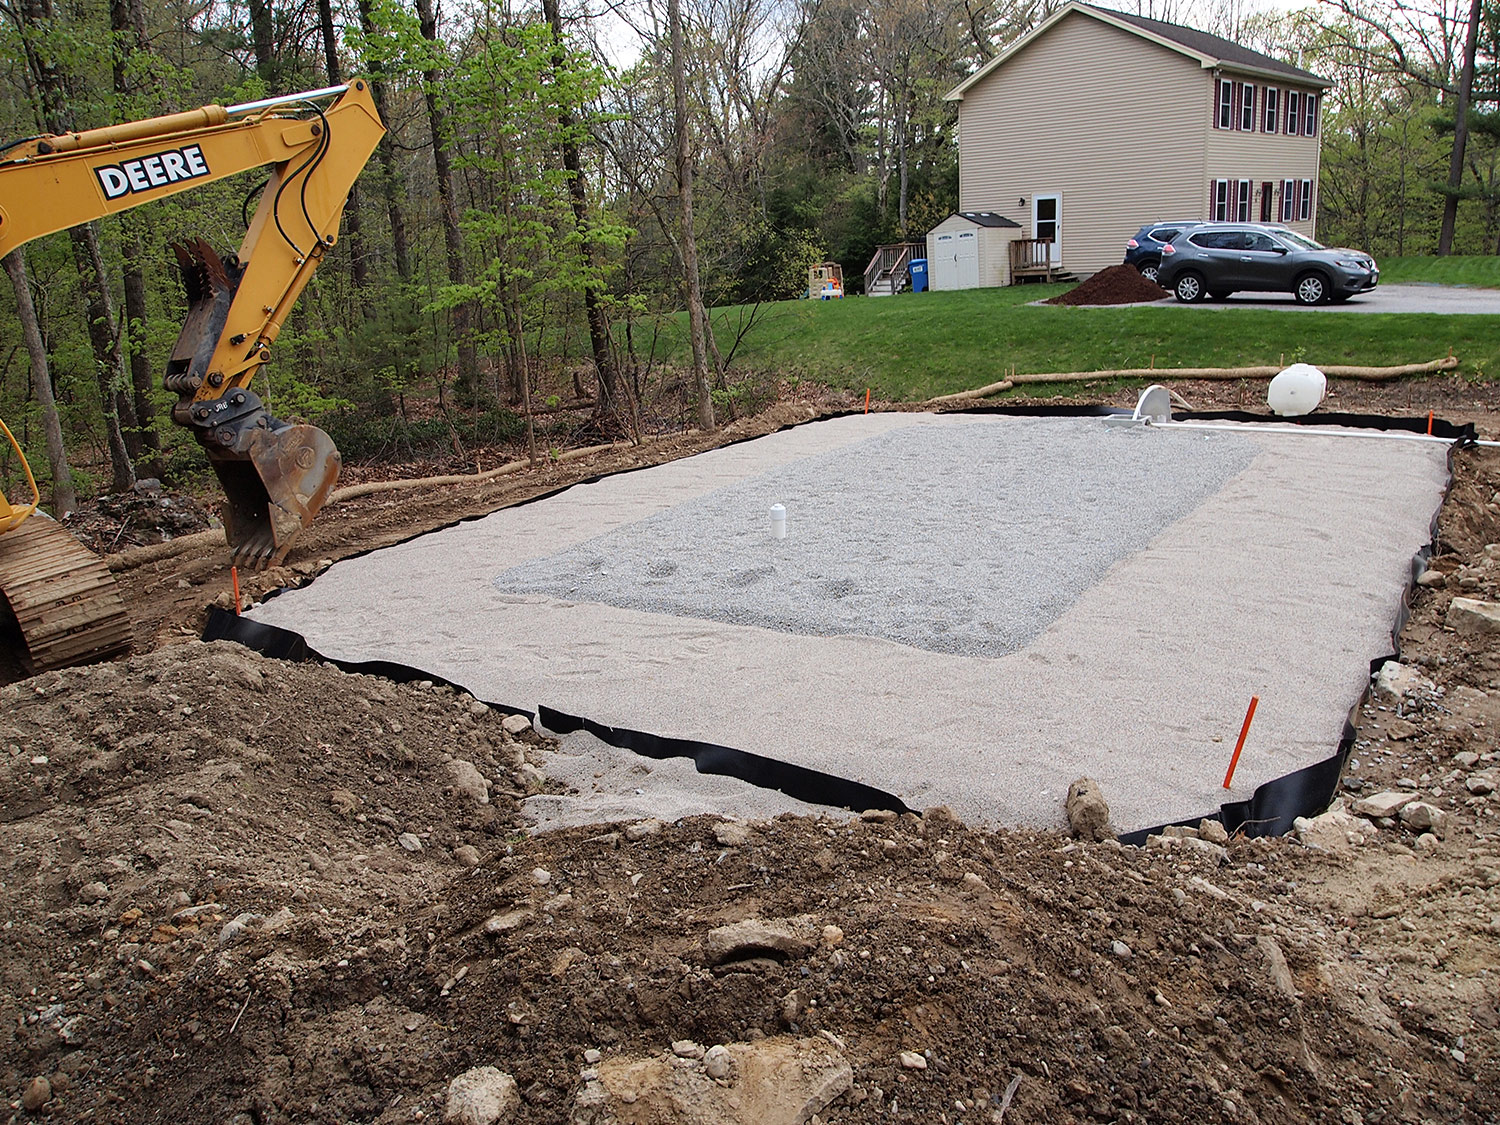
(942, 269)
(966, 260)
(1046, 222)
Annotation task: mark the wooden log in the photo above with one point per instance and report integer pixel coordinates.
(1367, 374)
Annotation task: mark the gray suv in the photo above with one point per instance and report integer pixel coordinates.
(1217, 259)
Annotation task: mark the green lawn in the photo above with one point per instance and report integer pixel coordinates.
(1458, 270)
(915, 346)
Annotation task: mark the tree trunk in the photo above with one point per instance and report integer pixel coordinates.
(389, 177)
(142, 378)
(689, 239)
(109, 356)
(104, 335)
(1460, 133)
(613, 409)
(359, 272)
(64, 499)
(263, 42)
(127, 20)
(453, 242)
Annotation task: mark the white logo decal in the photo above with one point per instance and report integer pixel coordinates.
(154, 171)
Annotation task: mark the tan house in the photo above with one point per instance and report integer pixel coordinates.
(1099, 121)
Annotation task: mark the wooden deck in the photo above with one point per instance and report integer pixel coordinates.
(1032, 258)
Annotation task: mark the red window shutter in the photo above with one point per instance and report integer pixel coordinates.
(1218, 93)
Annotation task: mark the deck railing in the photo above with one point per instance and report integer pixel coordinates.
(1031, 257)
(890, 261)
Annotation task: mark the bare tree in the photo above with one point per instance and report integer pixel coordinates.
(689, 239)
(64, 499)
(453, 240)
(34, 18)
(1460, 134)
(389, 175)
(613, 407)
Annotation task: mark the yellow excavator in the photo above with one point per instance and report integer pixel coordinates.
(276, 475)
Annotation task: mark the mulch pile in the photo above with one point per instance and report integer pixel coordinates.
(1117, 285)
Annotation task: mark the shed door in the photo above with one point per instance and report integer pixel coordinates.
(966, 259)
(1046, 222)
(942, 270)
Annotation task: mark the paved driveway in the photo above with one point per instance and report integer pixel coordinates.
(1452, 300)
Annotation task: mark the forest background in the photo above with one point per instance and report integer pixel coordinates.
(559, 183)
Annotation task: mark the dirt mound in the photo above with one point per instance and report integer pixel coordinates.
(1117, 285)
(147, 513)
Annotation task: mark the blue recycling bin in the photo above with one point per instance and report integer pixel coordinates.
(919, 275)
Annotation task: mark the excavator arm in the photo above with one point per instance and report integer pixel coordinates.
(276, 475)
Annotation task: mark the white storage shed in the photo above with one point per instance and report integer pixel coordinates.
(970, 250)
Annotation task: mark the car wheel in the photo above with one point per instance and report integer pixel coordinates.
(1150, 270)
(1311, 289)
(1189, 287)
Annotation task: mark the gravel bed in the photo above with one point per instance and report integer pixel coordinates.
(969, 546)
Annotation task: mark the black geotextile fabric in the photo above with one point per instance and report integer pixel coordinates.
(283, 644)
(799, 782)
(1271, 810)
(812, 786)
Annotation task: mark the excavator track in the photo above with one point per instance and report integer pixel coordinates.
(62, 605)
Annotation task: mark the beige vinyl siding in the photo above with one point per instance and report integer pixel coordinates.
(1111, 122)
(1262, 157)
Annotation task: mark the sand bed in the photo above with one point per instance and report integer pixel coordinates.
(969, 611)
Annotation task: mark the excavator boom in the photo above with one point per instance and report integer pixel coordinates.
(276, 475)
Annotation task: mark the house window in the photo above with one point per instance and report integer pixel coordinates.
(1310, 115)
(1267, 194)
(1304, 204)
(1292, 119)
(1225, 118)
(1273, 104)
(1247, 107)
(1218, 201)
(1242, 202)
(1288, 200)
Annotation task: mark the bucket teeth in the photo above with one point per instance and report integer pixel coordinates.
(203, 274)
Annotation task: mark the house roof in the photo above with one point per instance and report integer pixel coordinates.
(987, 219)
(1210, 51)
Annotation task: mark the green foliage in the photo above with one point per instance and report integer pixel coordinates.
(776, 264)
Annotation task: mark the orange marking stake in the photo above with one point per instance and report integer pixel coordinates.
(1429, 423)
(867, 400)
(234, 576)
(1240, 745)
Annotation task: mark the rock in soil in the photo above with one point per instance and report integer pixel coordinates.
(1088, 814)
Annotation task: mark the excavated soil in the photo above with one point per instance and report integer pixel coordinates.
(1116, 285)
(238, 890)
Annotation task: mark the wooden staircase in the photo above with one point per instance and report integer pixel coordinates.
(889, 271)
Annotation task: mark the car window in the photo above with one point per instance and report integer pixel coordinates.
(1164, 234)
(1261, 242)
(1301, 241)
(1216, 239)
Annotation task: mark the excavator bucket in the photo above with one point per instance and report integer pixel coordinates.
(276, 475)
(274, 488)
